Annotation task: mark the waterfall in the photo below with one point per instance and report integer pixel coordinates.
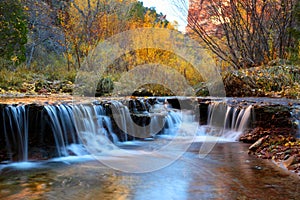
(142, 105)
(122, 117)
(94, 128)
(61, 126)
(61, 120)
(173, 120)
(142, 124)
(80, 124)
(15, 122)
(72, 129)
(228, 121)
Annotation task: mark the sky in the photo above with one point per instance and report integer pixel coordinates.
(168, 8)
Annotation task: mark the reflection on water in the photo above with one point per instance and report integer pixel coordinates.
(226, 173)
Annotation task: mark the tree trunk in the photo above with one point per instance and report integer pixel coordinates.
(77, 56)
(30, 56)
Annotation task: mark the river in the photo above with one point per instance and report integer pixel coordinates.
(167, 166)
(227, 172)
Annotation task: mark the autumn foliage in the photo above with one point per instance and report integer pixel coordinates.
(246, 33)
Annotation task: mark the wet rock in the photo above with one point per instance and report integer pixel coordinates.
(142, 92)
(258, 143)
(272, 116)
(252, 135)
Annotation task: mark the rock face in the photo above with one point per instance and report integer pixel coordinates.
(274, 119)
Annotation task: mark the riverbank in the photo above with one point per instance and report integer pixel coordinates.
(278, 145)
(276, 81)
(274, 134)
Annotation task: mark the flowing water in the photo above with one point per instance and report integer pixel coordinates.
(174, 158)
(226, 173)
(228, 121)
(15, 128)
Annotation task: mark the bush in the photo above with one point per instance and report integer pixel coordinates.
(274, 81)
(48, 79)
(105, 86)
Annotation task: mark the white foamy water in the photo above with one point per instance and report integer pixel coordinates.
(98, 141)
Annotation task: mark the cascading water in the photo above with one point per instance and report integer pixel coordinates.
(94, 128)
(173, 120)
(61, 122)
(123, 118)
(81, 124)
(74, 128)
(157, 120)
(227, 121)
(15, 122)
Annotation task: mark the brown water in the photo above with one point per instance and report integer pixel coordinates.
(228, 172)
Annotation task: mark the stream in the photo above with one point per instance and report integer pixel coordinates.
(94, 151)
(228, 172)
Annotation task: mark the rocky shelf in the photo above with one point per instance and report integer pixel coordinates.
(272, 130)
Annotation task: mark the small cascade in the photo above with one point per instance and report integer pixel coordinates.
(228, 121)
(138, 106)
(141, 123)
(83, 124)
(173, 120)
(62, 124)
(142, 106)
(104, 123)
(76, 129)
(122, 117)
(53, 130)
(15, 122)
(94, 128)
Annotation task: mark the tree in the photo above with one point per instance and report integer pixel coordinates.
(243, 33)
(139, 14)
(87, 22)
(13, 30)
(148, 17)
(45, 37)
(295, 31)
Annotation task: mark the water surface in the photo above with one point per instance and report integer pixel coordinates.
(228, 172)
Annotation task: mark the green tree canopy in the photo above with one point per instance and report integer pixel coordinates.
(13, 31)
(296, 34)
